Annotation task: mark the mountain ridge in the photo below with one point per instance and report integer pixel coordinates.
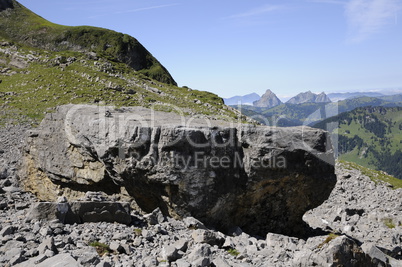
(342, 96)
(286, 115)
(369, 136)
(309, 97)
(22, 25)
(244, 100)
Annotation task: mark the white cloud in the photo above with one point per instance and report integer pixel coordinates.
(256, 11)
(132, 10)
(368, 17)
(336, 2)
(146, 8)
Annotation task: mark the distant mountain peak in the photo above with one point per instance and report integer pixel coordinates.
(309, 97)
(243, 100)
(268, 100)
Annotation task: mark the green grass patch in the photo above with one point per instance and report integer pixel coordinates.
(329, 238)
(233, 252)
(101, 248)
(356, 156)
(137, 231)
(388, 222)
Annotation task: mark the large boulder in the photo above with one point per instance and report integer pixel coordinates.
(262, 179)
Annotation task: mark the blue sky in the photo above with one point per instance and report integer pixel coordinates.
(238, 47)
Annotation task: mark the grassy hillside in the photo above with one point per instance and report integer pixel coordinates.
(364, 101)
(34, 81)
(25, 27)
(43, 65)
(392, 98)
(371, 137)
(295, 114)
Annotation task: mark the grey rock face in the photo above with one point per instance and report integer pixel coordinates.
(322, 98)
(209, 237)
(193, 223)
(81, 212)
(258, 178)
(155, 217)
(379, 256)
(170, 253)
(200, 256)
(8, 230)
(268, 100)
(47, 244)
(61, 260)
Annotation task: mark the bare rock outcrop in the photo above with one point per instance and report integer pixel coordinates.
(81, 212)
(268, 100)
(262, 179)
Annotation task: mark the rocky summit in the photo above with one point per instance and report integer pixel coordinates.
(262, 179)
(268, 100)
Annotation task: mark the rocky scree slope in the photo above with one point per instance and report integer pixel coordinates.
(155, 240)
(259, 178)
(362, 207)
